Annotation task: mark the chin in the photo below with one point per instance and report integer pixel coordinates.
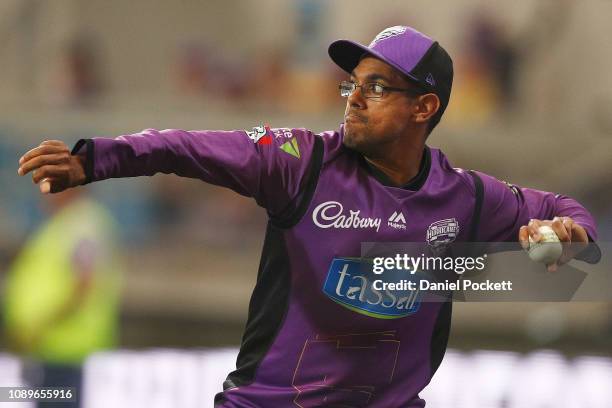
(349, 139)
(355, 143)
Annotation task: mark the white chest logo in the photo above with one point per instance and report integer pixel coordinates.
(330, 214)
(397, 221)
(442, 232)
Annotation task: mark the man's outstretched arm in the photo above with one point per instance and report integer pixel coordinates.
(267, 164)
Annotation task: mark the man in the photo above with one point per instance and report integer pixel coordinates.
(61, 300)
(311, 338)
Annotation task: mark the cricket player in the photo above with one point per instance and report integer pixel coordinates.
(318, 334)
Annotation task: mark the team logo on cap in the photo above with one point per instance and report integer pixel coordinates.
(430, 79)
(388, 32)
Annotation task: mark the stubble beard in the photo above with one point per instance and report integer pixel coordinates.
(356, 140)
(362, 142)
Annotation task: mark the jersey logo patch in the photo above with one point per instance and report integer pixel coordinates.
(350, 283)
(442, 233)
(330, 214)
(397, 220)
(512, 187)
(260, 135)
(291, 147)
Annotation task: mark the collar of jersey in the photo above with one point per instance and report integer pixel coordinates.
(414, 184)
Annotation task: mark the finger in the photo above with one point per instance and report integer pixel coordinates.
(564, 236)
(559, 228)
(568, 252)
(39, 161)
(580, 240)
(579, 234)
(42, 149)
(551, 267)
(532, 227)
(568, 223)
(524, 237)
(45, 186)
(53, 142)
(51, 185)
(49, 170)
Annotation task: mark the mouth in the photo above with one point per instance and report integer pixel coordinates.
(353, 117)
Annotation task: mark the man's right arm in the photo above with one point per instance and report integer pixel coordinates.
(270, 167)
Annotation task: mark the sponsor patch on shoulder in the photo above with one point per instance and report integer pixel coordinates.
(290, 146)
(512, 187)
(261, 135)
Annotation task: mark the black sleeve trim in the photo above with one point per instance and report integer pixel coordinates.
(305, 196)
(89, 157)
(473, 237)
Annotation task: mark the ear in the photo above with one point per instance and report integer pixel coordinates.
(425, 107)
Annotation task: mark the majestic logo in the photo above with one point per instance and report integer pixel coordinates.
(350, 283)
(260, 135)
(397, 221)
(330, 214)
(388, 32)
(442, 232)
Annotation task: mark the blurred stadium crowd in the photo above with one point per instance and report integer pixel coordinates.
(531, 103)
(189, 379)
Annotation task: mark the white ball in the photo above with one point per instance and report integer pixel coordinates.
(548, 250)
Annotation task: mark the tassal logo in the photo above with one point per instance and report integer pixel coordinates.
(350, 283)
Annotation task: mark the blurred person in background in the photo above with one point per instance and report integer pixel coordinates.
(80, 81)
(317, 333)
(61, 300)
(487, 71)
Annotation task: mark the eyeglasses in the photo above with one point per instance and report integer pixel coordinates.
(371, 90)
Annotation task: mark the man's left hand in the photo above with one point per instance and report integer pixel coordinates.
(573, 237)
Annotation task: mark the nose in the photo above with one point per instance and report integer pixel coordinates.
(356, 99)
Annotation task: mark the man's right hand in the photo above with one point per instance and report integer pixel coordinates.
(53, 168)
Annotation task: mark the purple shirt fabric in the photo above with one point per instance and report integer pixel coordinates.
(303, 345)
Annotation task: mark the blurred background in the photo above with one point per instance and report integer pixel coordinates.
(531, 104)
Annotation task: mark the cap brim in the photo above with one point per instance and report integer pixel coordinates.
(347, 54)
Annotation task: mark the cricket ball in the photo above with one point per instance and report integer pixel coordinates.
(548, 249)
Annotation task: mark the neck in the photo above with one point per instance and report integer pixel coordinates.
(402, 165)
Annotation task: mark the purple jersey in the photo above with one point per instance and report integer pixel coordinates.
(314, 337)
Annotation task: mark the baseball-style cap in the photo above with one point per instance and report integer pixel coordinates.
(412, 53)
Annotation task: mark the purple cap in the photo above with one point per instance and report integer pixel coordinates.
(412, 53)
